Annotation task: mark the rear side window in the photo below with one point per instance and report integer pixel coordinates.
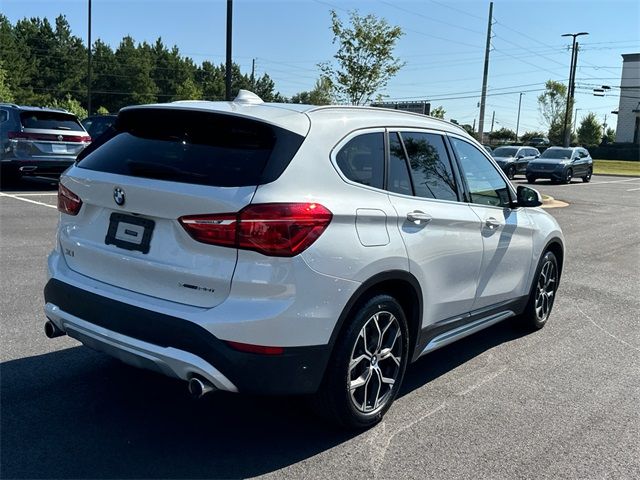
(193, 147)
(50, 121)
(362, 159)
(4, 116)
(430, 166)
(399, 181)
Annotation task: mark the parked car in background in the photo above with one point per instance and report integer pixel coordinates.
(96, 125)
(488, 149)
(38, 141)
(296, 236)
(539, 142)
(561, 164)
(514, 160)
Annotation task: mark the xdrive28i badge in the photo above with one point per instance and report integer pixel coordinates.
(118, 196)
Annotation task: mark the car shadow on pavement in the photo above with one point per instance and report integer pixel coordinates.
(76, 413)
(9, 185)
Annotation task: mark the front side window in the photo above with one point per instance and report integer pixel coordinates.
(430, 166)
(362, 159)
(486, 186)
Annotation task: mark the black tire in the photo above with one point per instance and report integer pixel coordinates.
(568, 175)
(531, 179)
(543, 292)
(511, 172)
(587, 177)
(338, 400)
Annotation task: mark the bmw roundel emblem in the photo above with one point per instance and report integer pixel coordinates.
(118, 196)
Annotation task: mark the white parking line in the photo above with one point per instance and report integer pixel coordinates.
(633, 189)
(616, 181)
(36, 194)
(26, 200)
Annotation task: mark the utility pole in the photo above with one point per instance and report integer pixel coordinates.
(485, 74)
(575, 120)
(228, 69)
(89, 63)
(474, 125)
(253, 75)
(566, 132)
(518, 121)
(493, 118)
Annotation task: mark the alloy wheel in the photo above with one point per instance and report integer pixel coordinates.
(375, 362)
(545, 290)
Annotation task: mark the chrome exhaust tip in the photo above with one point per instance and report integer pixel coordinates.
(199, 387)
(51, 330)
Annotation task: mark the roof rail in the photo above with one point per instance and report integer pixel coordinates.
(7, 104)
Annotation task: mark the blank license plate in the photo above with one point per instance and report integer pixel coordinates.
(58, 148)
(129, 232)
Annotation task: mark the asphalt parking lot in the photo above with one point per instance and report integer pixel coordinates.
(563, 402)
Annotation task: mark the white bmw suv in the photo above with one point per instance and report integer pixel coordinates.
(292, 249)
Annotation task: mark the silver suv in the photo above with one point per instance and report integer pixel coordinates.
(38, 141)
(293, 249)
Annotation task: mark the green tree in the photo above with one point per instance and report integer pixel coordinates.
(438, 112)
(468, 128)
(189, 90)
(364, 60)
(5, 89)
(590, 130)
(102, 111)
(70, 104)
(555, 133)
(609, 136)
(502, 135)
(527, 136)
(320, 95)
(552, 103)
(132, 80)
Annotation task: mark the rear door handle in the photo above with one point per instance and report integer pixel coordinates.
(419, 217)
(492, 223)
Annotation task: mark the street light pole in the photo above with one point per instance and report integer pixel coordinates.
(566, 132)
(89, 63)
(518, 122)
(229, 37)
(575, 120)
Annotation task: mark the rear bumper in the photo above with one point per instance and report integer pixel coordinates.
(178, 347)
(36, 167)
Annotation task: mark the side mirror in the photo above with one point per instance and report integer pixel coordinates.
(519, 156)
(528, 197)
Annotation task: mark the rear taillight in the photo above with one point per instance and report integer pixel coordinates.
(274, 229)
(68, 202)
(48, 137)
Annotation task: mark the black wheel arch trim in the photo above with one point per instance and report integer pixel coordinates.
(368, 288)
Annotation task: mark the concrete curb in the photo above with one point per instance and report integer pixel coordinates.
(549, 202)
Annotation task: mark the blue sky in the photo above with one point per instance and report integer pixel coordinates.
(443, 45)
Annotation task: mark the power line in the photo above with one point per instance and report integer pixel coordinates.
(432, 19)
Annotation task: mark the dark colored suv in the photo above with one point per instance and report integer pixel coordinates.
(514, 160)
(96, 125)
(37, 141)
(561, 164)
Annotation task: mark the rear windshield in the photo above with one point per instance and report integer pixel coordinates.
(192, 147)
(557, 153)
(50, 121)
(505, 151)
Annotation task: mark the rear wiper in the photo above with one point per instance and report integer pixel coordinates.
(62, 128)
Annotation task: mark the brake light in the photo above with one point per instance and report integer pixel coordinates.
(274, 229)
(68, 202)
(260, 349)
(48, 137)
